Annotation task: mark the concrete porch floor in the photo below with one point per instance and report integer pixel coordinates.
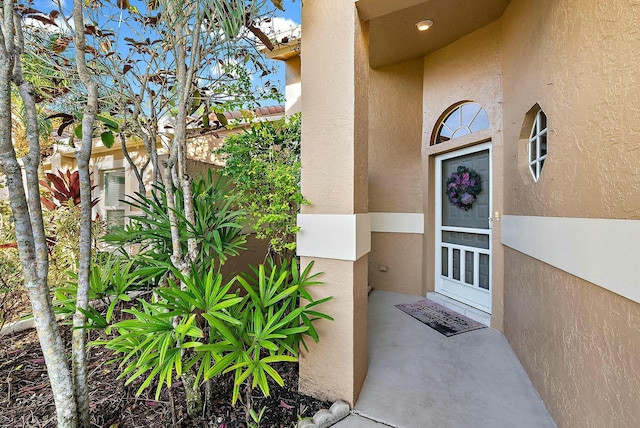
(420, 378)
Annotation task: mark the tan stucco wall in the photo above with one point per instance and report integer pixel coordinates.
(469, 69)
(335, 368)
(293, 87)
(395, 173)
(332, 93)
(395, 263)
(577, 59)
(334, 179)
(579, 343)
(395, 127)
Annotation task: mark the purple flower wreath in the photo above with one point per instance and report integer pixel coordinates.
(463, 186)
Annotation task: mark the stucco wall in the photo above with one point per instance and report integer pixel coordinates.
(578, 342)
(293, 103)
(577, 59)
(466, 70)
(395, 173)
(334, 179)
(332, 92)
(395, 263)
(395, 125)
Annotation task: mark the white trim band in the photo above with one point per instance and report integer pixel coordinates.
(334, 236)
(397, 222)
(602, 251)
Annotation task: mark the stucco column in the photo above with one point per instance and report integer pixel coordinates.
(335, 229)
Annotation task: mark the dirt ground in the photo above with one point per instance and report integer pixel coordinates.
(26, 400)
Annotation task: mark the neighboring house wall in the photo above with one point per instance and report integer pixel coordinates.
(293, 87)
(111, 164)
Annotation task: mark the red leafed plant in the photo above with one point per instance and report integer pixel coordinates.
(65, 187)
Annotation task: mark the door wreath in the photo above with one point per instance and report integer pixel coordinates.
(463, 187)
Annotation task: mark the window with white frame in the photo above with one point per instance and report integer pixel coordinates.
(538, 144)
(466, 118)
(113, 195)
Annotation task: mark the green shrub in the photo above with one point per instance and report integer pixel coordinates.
(264, 165)
(216, 228)
(209, 327)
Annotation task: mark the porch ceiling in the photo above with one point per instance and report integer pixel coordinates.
(394, 38)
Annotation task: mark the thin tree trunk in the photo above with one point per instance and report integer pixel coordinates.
(176, 164)
(27, 215)
(79, 348)
(139, 172)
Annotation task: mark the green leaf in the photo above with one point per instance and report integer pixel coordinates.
(77, 132)
(108, 139)
(222, 119)
(112, 125)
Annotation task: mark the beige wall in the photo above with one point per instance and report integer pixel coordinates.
(395, 127)
(395, 263)
(293, 88)
(467, 70)
(334, 179)
(332, 96)
(577, 59)
(336, 367)
(395, 174)
(579, 343)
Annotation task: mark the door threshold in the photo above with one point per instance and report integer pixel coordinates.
(461, 308)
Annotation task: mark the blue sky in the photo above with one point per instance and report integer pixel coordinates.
(292, 10)
(283, 21)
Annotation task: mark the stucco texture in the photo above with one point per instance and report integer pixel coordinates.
(578, 59)
(335, 109)
(395, 263)
(395, 124)
(334, 178)
(395, 173)
(578, 342)
(335, 368)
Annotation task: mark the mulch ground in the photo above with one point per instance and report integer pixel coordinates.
(26, 399)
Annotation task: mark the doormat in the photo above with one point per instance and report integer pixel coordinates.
(439, 318)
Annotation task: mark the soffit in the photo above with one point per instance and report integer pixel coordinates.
(393, 37)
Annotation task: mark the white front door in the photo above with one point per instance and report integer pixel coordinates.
(463, 237)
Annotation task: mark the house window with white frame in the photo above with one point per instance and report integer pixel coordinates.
(466, 118)
(538, 144)
(113, 194)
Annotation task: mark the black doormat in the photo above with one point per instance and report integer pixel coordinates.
(439, 318)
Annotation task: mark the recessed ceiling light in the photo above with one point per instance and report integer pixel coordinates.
(424, 25)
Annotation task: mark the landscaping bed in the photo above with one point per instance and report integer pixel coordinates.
(26, 400)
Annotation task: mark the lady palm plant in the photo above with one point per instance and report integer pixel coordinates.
(215, 227)
(201, 323)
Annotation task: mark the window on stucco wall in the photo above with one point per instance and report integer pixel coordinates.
(465, 119)
(538, 144)
(113, 195)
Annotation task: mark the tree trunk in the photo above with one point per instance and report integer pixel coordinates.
(176, 165)
(79, 348)
(27, 215)
(139, 172)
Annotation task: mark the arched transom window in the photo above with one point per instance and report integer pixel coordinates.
(465, 119)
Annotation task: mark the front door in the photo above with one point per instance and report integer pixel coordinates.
(463, 233)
